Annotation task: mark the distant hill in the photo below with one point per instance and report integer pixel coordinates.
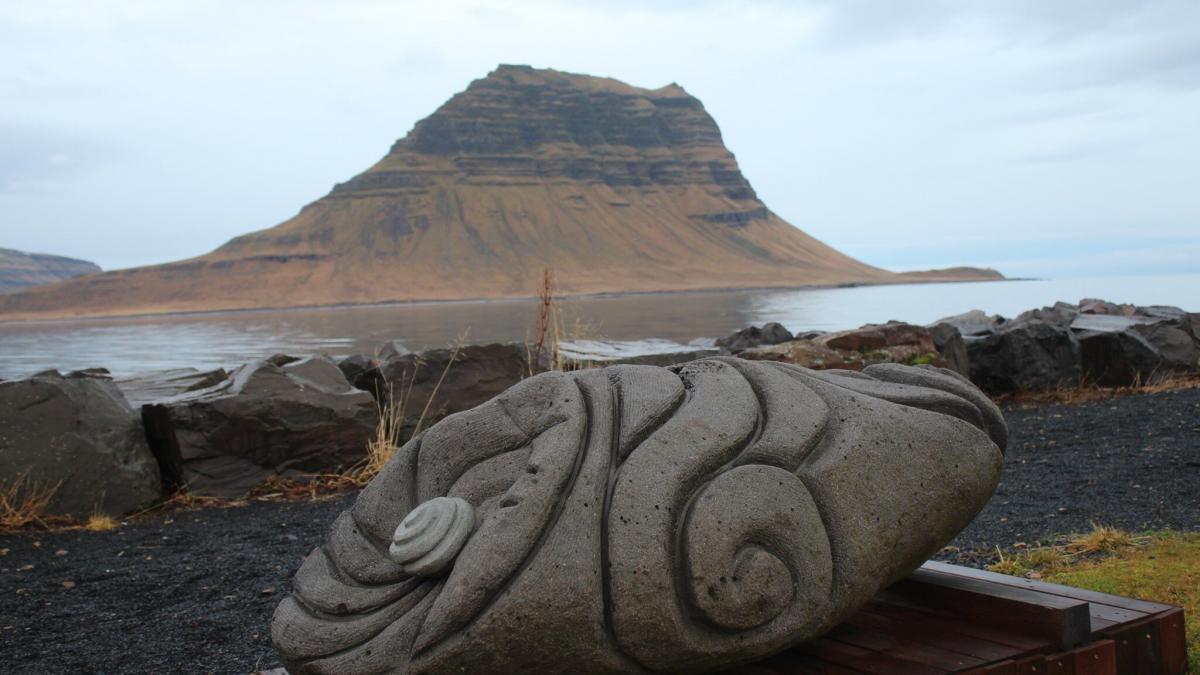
(20, 270)
(955, 274)
(615, 187)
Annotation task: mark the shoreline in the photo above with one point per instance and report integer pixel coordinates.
(486, 300)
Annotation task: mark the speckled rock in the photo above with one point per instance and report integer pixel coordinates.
(637, 518)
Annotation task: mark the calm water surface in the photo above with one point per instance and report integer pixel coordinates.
(610, 325)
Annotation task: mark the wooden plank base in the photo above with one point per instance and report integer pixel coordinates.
(950, 619)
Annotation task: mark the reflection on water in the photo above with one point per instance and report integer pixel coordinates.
(598, 325)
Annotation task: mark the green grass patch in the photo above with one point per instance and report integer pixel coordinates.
(1159, 566)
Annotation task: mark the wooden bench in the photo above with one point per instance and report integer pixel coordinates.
(951, 619)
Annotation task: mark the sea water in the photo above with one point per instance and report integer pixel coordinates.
(596, 326)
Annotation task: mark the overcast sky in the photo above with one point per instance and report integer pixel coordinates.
(1040, 137)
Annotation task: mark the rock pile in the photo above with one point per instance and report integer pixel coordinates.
(278, 416)
(1094, 342)
(892, 342)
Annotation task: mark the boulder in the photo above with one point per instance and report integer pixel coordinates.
(391, 349)
(151, 386)
(951, 346)
(878, 337)
(893, 342)
(1061, 314)
(427, 386)
(1026, 355)
(1103, 307)
(754, 336)
(973, 323)
(807, 354)
(79, 436)
(1135, 352)
(355, 365)
(301, 417)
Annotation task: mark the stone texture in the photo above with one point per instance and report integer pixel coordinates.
(950, 344)
(297, 418)
(974, 323)
(479, 372)
(893, 342)
(754, 336)
(79, 434)
(153, 386)
(1026, 355)
(789, 496)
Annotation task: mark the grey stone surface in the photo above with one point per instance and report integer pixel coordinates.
(149, 387)
(355, 365)
(950, 344)
(754, 336)
(296, 418)
(1026, 356)
(80, 434)
(637, 518)
(478, 373)
(974, 323)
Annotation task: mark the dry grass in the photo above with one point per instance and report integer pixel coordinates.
(1086, 393)
(23, 505)
(1034, 562)
(392, 419)
(99, 522)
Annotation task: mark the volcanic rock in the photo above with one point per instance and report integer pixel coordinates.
(429, 385)
(616, 188)
(1027, 355)
(299, 418)
(893, 342)
(153, 386)
(79, 437)
(950, 344)
(753, 336)
(971, 324)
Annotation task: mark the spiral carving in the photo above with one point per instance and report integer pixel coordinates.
(430, 537)
(639, 518)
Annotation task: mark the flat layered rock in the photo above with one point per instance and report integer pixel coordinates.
(300, 417)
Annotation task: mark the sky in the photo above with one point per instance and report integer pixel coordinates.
(1045, 139)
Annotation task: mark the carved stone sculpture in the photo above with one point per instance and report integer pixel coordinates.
(638, 518)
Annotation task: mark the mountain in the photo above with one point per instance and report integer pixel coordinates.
(20, 270)
(616, 188)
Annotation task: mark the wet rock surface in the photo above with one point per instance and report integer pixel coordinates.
(200, 602)
(77, 436)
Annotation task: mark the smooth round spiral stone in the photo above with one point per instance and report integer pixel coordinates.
(429, 538)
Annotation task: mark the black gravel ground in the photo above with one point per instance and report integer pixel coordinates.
(192, 592)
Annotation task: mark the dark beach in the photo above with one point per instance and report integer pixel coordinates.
(193, 591)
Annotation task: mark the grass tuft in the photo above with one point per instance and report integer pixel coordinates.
(99, 522)
(24, 502)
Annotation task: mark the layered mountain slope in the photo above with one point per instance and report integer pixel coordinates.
(19, 270)
(617, 188)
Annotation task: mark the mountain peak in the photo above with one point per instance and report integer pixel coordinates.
(616, 187)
